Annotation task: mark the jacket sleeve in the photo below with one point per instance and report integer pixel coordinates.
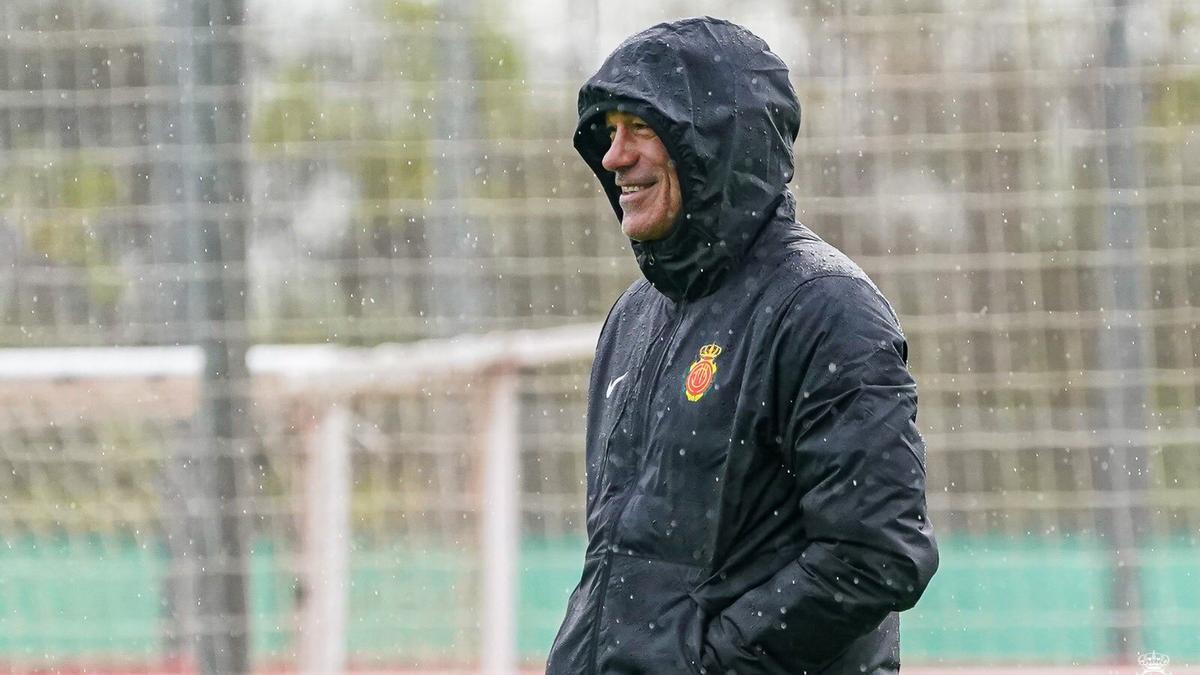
(848, 407)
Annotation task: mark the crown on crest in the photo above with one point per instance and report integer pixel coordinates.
(710, 351)
(1153, 662)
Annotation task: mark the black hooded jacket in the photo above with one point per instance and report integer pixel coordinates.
(755, 478)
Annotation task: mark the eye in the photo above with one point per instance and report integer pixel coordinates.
(612, 132)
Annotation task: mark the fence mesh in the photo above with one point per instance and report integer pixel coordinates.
(1022, 179)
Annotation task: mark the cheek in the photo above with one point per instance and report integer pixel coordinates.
(667, 199)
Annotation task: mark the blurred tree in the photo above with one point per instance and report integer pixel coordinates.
(56, 186)
(393, 147)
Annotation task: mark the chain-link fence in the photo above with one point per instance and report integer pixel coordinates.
(1021, 179)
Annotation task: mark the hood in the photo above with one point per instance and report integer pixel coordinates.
(721, 103)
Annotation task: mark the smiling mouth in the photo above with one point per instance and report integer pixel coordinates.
(631, 189)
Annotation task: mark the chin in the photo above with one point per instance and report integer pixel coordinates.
(642, 231)
(639, 233)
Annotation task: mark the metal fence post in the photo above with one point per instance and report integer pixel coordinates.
(213, 199)
(1123, 348)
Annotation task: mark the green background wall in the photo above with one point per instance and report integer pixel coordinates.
(101, 600)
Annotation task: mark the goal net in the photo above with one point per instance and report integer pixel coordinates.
(411, 505)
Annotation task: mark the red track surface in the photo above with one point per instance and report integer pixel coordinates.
(183, 668)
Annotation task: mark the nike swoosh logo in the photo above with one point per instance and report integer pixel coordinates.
(614, 383)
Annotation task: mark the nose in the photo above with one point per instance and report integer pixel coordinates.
(621, 153)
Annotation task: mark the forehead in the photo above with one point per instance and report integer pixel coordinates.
(614, 117)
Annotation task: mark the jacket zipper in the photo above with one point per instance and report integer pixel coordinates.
(607, 560)
(653, 390)
(649, 392)
(606, 574)
(625, 405)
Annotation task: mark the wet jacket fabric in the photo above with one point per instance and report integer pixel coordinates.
(755, 477)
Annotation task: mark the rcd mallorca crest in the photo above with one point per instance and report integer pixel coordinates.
(700, 374)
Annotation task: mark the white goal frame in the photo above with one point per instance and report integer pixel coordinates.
(331, 374)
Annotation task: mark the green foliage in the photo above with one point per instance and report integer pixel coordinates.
(70, 181)
(1178, 103)
(299, 114)
(405, 11)
(386, 139)
(67, 195)
(503, 97)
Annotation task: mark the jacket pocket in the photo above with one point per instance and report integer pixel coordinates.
(651, 624)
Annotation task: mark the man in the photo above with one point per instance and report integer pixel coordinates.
(755, 478)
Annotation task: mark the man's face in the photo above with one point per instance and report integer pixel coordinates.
(650, 197)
